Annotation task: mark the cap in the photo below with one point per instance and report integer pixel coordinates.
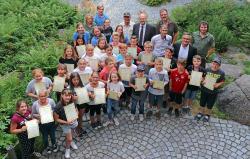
(217, 60)
(140, 68)
(171, 48)
(126, 14)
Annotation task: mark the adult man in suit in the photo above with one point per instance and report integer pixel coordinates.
(143, 31)
(184, 50)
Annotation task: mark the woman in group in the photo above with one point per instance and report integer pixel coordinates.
(122, 37)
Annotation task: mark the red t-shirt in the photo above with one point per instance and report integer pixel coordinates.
(178, 80)
(104, 74)
(20, 120)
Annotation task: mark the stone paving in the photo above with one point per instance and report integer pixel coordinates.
(168, 137)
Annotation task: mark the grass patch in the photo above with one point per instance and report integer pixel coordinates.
(247, 67)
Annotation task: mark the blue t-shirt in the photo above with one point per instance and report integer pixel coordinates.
(86, 37)
(99, 20)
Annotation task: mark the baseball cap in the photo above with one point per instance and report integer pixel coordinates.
(140, 68)
(126, 14)
(217, 60)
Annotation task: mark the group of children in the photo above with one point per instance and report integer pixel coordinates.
(129, 76)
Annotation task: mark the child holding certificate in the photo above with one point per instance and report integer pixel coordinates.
(133, 44)
(18, 127)
(108, 53)
(115, 43)
(80, 42)
(60, 115)
(83, 70)
(146, 57)
(61, 75)
(115, 89)
(69, 58)
(139, 83)
(126, 70)
(93, 60)
(110, 67)
(177, 86)
(214, 79)
(191, 88)
(38, 82)
(99, 50)
(42, 110)
(158, 79)
(74, 83)
(93, 106)
(123, 48)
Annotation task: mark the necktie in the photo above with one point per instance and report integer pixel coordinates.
(141, 36)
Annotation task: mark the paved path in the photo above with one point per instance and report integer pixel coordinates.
(165, 138)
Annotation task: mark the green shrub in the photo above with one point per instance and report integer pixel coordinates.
(247, 67)
(154, 2)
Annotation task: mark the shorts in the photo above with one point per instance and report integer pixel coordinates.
(207, 99)
(175, 97)
(189, 94)
(82, 106)
(95, 109)
(67, 128)
(155, 99)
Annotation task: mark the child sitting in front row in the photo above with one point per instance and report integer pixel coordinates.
(177, 86)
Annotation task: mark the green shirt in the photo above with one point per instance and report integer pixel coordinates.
(203, 44)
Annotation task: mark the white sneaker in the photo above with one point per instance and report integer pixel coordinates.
(67, 153)
(132, 117)
(73, 145)
(107, 123)
(116, 121)
(141, 117)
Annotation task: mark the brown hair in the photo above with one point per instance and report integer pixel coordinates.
(109, 59)
(203, 23)
(74, 55)
(119, 77)
(19, 102)
(182, 62)
(62, 66)
(78, 24)
(66, 91)
(198, 57)
(121, 37)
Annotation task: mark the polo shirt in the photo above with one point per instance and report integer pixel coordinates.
(99, 20)
(159, 44)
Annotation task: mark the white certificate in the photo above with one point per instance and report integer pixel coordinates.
(132, 51)
(115, 50)
(93, 63)
(166, 63)
(59, 83)
(140, 82)
(82, 95)
(81, 50)
(100, 97)
(39, 86)
(70, 112)
(195, 78)
(146, 58)
(113, 95)
(85, 77)
(32, 128)
(70, 68)
(209, 82)
(46, 114)
(158, 84)
(125, 74)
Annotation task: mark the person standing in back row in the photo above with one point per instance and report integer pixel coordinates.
(100, 17)
(142, 30)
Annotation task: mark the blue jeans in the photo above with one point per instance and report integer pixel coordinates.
(112, 108)
(134, 104)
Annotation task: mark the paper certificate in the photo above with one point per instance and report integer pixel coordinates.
(82, 95)
(209, 82)
(113, 95)
(85, 77)
(125, 74)
(70, 112)
(46, 114)
(195, 78)
(146, 58)
(59, 83)
(32, 128)
(70, 68)
(99, 95)
(158, 84)
(93, 63)
(115, 50)
(166, 63)
(81, 50)
(140, 82)
(39, 86)
(132, 51)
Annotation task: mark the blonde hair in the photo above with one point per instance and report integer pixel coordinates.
(81, 60)
(148, 43)
(123, 46)
(109, 59)
(88, 46)
(78, 24)
(159, 60)
(37, 70)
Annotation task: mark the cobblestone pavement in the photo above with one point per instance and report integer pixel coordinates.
(168, 137)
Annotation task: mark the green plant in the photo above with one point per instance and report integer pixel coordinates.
(155, 2)
(247, 67)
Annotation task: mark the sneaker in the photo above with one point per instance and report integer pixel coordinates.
(73, 145)
(158, 114)
(107, 123)
(149, 113)
(94, 125)
(177, 113)
(198, 116)
(170, 111)
(98, 124)
(116, 121)
(36, 155)
(141, 117)
(132, 117)
(206, 118)
(48, 150)
(55, 148)
(67, 153)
